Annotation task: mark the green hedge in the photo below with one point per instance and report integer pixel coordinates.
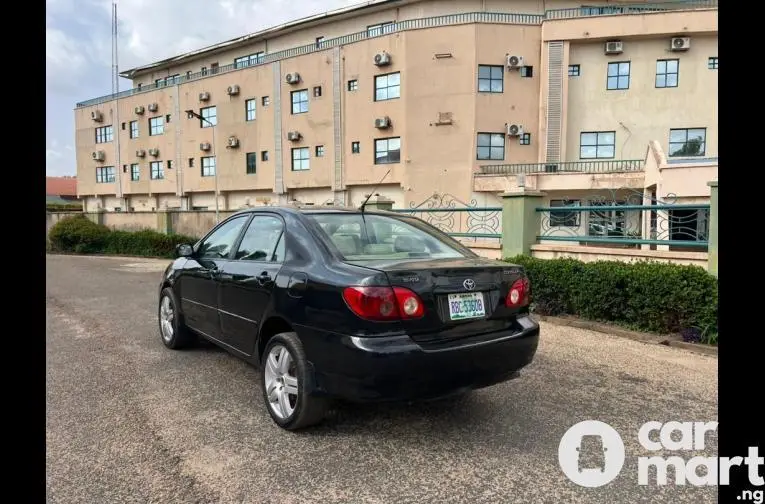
(648, 296)
(80, 235)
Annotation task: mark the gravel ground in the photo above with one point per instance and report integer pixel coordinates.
(129, 421)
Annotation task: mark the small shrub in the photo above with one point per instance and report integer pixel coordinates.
(78, 234)
(648, 296)
(146, 242)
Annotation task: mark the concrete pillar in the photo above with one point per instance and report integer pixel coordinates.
(97, 216)
(520, 221)
(164, 221)
(713, 220)
(378, 202)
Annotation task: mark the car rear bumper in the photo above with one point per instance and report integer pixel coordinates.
(397, 368)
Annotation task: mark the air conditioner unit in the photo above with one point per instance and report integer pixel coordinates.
(233, 142)
(514, 62)
(204, 96)
(140, 153)
(382, 59)
(233, 90)
(292, 78)
(614, 47)
(294, 136)
(139, 110)
(153, 107)
(204, 146)
(96, 116)
(99, 155)
(153, 152)
(382, 122)
(514, 130)
(680, 44)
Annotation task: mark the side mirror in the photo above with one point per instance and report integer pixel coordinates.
(184, 250)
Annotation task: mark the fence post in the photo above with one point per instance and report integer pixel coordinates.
(520, 221)
(164, 221)
(713, 220)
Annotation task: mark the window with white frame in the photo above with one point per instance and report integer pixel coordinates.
(208, 166)
(300, 159)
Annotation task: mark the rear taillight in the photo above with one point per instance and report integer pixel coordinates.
(518, 296)
(383, 303)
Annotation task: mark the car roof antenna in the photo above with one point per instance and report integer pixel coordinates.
(363, 205)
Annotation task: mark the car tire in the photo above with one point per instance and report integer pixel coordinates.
(173, 333)
(285, 379)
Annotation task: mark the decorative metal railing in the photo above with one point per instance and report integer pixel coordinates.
(624, 217)
(416, 24)
(457, 218)
(610, 166)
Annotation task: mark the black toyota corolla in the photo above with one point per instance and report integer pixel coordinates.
(336, 303)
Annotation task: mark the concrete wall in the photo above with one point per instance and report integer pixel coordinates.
(592, 254)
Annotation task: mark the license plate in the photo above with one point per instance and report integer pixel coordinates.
(466, 305)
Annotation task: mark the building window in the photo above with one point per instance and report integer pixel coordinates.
(300, 161)
(252, 59)
(379, 29)
(191, 162)
(156, 126)
(319, 41)
(618, 75)
(490, 146)
(319, 151)
(353, 85)
(169, 164)
(104, 174)
(214, 68)
(687, 142)
(387, 150)
(666, 73)
(209, 113)
(133, 129)
(204, 71)
(135, 172)
(104, 134)
(316, 91)
(355, 147)
(491, 79)
(564, 218)
(249, 109)
(264, 155)
(388, 86)
(525, 139)
(299, 101)
(712, 64)
(597, 144)
(574, 71)
(208, 166)
(252, 159)
(188, 74)
(527, 71)
(156, 170)
(266, 101)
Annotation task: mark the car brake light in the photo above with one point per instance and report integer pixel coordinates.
(383, 303)
(519, 294)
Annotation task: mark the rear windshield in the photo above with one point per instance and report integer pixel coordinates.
(372, 237)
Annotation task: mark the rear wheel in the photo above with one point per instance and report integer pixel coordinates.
(174, 334)
(284, 374)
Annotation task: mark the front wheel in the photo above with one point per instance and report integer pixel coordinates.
(174, 334)
(284, 378)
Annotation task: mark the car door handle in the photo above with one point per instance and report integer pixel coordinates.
(263, 278)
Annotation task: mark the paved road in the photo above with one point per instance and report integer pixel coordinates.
(129, 421)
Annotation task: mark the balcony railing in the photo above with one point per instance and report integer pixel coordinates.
(417, 24)
(609, 10)
(610, 166)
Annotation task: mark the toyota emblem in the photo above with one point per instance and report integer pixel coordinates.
(469, 284)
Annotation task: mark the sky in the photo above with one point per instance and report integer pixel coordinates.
(78, 47)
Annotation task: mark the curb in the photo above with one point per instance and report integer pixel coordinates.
(647, 338)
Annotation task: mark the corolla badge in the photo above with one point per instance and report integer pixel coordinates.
(469, 284)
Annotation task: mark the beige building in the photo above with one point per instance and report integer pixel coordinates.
(465, 97)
